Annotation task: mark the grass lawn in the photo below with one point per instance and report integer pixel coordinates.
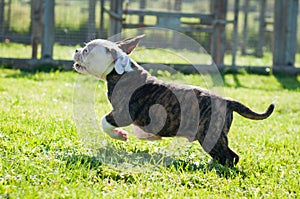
(45, 152)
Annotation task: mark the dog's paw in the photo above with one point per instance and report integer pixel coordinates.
(119, 134)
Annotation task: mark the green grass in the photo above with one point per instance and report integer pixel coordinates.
(44, 156)
(16, 50)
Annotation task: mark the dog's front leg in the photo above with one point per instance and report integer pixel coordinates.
(111, 128)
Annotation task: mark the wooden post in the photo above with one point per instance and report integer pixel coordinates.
(291, 44)
(120, 14)
(36, 26)
(8, 18)
(102, 32)
(169, 5)
(175, 38)
(218, 37)
(116, 9)
(262, 25)
(92, 18)
(142, 6)
(178, 5)
(279, 33)
(141, 18)
(285, 33)
(48, 29)
(235, 31)
(2, 6)
(245, 31)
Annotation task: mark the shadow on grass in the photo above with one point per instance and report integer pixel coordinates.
(289, 82)
(23, 74)
(222, 171)
(222, 82)
(236, 81)
(110, 162)
(31, 73)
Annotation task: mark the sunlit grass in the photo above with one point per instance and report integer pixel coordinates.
(43, 155)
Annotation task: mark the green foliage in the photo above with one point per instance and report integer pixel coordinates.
(43, 156)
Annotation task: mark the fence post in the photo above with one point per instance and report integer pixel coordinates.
(218, 38)
(48, 29)
(262, 24)
(142, 6)
(245, 31)
(8, 17)
(285, 32)
(141, 18)
(116, 9)
(36, 23)
(2, 6)
(92, 16)
(235, 31)
(291, 44)
(176, 40)
(178, 5)
(102, 32)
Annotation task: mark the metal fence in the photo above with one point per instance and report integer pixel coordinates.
(74, 23)
(71, 21)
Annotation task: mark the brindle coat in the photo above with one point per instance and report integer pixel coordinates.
(177, 110)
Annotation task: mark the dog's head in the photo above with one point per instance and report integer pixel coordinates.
(99, 57)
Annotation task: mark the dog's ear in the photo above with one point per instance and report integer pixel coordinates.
(128, 45)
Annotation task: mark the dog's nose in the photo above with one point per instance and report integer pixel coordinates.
(76, 51)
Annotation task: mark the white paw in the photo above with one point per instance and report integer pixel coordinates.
(119, 134)
(113, 132)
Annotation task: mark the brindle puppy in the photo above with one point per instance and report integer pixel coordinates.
(156, 108)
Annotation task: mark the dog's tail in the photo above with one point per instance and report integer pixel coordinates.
(248, 113)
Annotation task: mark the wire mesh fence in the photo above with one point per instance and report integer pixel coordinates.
(73, 25)
(71, 21)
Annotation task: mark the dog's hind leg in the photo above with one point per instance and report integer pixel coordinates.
(221, 151)
(223, 154)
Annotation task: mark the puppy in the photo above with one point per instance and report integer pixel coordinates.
(156, 108)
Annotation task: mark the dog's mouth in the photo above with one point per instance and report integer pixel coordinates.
(79, 67)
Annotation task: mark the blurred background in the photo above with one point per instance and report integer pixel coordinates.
(235, 32)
